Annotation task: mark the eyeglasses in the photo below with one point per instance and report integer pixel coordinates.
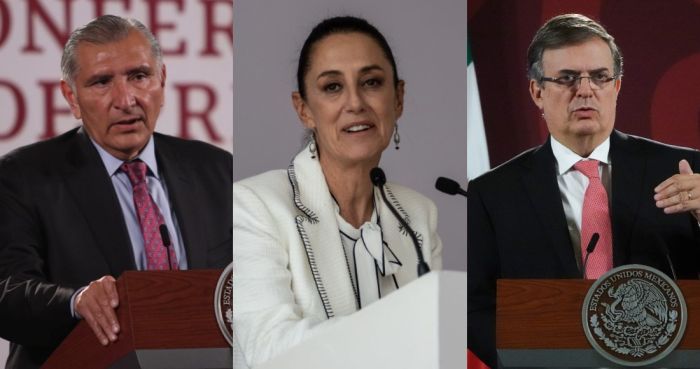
(597, 81)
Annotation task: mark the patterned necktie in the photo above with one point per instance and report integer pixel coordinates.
(150, 218)
(595, 219)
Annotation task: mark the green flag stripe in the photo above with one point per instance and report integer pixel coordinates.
(469, 52)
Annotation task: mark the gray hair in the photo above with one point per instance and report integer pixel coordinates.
(103, 30)
(564, 30)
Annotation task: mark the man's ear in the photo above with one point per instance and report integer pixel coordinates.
(71, 99)
(536, 94)
(163, 74)
(302, 110)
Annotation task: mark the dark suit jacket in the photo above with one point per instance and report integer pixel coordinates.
(517, 227)
(61, 226)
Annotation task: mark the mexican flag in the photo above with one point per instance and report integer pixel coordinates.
(477, 150)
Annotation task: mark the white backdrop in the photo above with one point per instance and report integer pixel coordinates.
(429, 42)
(196, 36)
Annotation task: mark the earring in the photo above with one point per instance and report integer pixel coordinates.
(312, 148)
(397, 137)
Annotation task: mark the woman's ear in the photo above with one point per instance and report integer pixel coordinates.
(302, 110)
(399, 98)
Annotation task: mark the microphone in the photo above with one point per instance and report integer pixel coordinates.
(589, 250)
(664, 249)
(449, 186)
(376, 175)
(165, 237)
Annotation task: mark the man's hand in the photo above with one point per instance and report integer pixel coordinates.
(680, 193)
(96, 304)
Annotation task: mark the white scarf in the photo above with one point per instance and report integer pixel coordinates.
(370, 257)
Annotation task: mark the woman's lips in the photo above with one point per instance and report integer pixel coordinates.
(357, 128)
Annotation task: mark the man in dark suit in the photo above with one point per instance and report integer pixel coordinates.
(528, 217)
(78, 210)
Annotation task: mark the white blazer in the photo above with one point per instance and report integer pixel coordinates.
(290, 272)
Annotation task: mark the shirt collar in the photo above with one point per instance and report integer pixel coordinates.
(147, 155)
(567, 158)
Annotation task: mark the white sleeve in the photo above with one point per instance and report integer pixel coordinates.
(266, 319)
(435, 243)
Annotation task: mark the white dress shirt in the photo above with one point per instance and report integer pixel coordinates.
(572, 185)
(157, 189)
(124, 191)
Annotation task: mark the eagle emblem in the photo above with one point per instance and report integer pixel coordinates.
(634, 315)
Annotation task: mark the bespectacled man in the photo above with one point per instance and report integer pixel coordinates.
(529, 217)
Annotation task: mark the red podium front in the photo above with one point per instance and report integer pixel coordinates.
(167, 320)
(538, 325)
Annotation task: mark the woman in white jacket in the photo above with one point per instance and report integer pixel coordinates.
(315, 241)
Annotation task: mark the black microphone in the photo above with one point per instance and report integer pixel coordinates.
(449, 186)
(376, 175)
(589, 250)
(165, 237)
(664, 249)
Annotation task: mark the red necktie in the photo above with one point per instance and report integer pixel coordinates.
(150, 218)
(595, 219)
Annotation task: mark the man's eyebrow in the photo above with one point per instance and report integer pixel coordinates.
(98, 77)
(590, 71)
(140, 69)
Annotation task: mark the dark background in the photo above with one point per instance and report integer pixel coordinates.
(660, 43)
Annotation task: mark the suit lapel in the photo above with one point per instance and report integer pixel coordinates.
(539, 178)
(88, 181)
(628, 171)
(183, 193)
(318, 229)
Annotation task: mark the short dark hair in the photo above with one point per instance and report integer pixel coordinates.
(564, 30)
(103, 30)
(335, 25)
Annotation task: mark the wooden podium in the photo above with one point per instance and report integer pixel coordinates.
(167, 320)
(538, 325)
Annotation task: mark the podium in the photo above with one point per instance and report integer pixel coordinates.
(423, 325)
(167, 320)
(538, 325)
